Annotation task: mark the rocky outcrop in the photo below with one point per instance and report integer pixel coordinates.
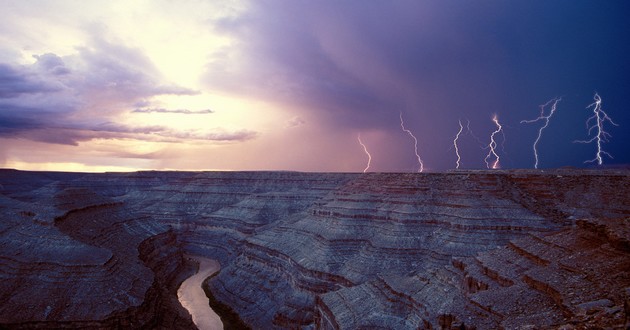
(467, 249)
(88, 266)
(384, 231)
(575, 277)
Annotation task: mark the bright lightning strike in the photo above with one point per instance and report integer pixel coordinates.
(402, 125)
(366, 152)
(461, 128)
(554, 103)
(600, 118)
(493, 144)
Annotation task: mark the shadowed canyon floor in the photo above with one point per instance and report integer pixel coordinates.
(463, 249)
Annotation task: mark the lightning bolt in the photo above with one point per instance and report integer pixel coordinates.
(600, 118)
(493, 144)
(545, 119)
(402, 125)
(461, 128)
(366, 152)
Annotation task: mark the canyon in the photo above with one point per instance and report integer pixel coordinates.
(465, 249)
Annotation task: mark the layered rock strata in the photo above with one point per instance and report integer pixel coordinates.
(472, 249)
(74, 258)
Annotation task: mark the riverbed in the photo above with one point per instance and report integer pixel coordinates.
(193, 298)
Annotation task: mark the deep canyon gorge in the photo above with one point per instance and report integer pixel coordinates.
(456, 250)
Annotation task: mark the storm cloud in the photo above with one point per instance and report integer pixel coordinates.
(69, 100)
(297, 81)
(16, 81)
(357, 64)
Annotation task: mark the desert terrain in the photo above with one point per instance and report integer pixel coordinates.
(463, 249)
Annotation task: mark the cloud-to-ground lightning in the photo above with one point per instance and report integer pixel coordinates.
(600, 118)
(402, 125)
(460, 134)
(554, 103)
(461, 128)
(366, 152)
(493, 144)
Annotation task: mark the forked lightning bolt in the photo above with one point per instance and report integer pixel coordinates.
(493, 144)
(600, 118)
(554, 103)
(366, 152)
(459, 134)
(402, 125)
(461, 128)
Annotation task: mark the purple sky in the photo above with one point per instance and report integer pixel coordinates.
(271, 85)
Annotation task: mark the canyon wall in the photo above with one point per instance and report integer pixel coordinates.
(464, 249)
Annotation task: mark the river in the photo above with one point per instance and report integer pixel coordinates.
(193, 298)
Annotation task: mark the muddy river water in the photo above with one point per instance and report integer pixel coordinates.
(193, 298)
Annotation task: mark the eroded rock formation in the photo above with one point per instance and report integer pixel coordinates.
(471, 249)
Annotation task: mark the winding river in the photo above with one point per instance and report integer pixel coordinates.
(193, 298)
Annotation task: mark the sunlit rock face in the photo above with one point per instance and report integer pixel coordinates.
(439, 250)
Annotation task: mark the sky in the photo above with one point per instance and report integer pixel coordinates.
(290, 85)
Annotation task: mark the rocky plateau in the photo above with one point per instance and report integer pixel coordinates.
(468, 249)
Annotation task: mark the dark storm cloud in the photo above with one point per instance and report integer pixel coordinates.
(280, 56)
(15, 81)
(357, 64)
(38, 125)
(177, 111)
(14, 119)
(356, 60)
